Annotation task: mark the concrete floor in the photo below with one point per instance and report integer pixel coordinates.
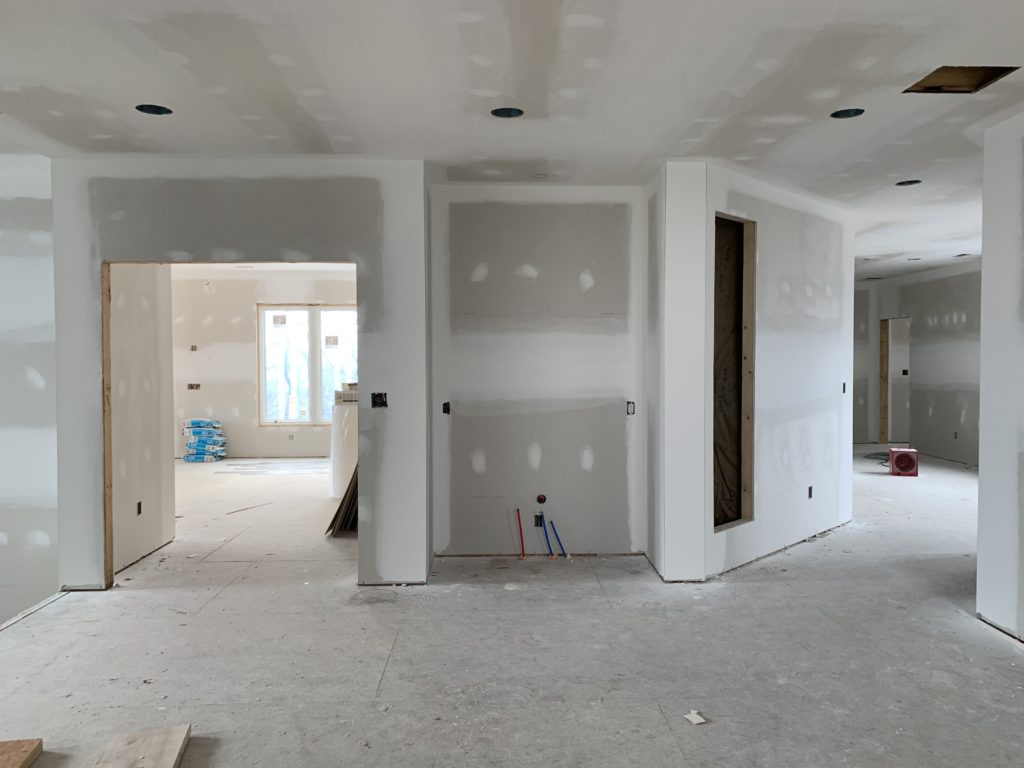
(859, 648)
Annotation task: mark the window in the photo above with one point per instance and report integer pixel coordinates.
(306, 353)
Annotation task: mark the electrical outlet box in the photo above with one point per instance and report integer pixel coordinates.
(379, 400)
(538, 521)
(138, 508)
(810, 491)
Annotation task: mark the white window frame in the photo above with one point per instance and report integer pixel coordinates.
(315, 361)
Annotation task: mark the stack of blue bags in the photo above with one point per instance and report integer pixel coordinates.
(205, 440)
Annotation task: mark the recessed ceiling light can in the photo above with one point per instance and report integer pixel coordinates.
(908, 183)
(507, 112)
(154, 109)
(846, 114)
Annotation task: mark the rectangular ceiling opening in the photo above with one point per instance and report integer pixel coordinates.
(960, 79)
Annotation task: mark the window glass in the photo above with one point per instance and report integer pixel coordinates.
(339, 355)
(286, 365)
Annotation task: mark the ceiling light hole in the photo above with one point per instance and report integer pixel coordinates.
(846, 114)
(154, 109)
(908, 183)
(507, 112)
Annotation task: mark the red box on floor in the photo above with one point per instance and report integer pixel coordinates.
(903, 462)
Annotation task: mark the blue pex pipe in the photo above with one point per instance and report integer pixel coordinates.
(559, 540)
(544, 520)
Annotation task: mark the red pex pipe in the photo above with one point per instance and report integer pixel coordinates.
(522, 545)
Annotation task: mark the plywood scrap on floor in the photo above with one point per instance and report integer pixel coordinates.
(153, 748)
(21, 753)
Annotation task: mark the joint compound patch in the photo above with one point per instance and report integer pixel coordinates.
(554, 266)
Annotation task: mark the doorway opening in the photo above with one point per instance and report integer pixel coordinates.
(734, 334)
(894, 380)
(230, 411)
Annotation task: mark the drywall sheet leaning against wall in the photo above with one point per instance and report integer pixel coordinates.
(539, 266)
(28, 417)
(367, 212)
(503, 454)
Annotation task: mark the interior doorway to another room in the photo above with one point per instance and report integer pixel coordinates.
(894, 380)
(222, 430)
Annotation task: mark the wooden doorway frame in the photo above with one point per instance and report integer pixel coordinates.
(747, 347)
(108, 440)
(883, 382)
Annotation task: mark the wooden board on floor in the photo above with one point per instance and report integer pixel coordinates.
(154, 748)
(21, 753)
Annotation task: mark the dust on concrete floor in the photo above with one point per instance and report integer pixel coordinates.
(856, 649)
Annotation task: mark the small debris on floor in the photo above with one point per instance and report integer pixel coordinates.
(694, 717)
(383, 707)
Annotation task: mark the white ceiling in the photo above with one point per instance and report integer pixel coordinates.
(611, 90)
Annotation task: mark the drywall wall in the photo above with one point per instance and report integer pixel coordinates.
(684, 349)
(366, 212)
(652, 361)
(945, 339)
(215, 311)
(803, 363)
(1001, 450)
(28, 415)
(944, 307)
(861, 365)
(141, 410)
(899, 380)
(537, 346)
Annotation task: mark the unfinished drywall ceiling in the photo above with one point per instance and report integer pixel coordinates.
(402, 78)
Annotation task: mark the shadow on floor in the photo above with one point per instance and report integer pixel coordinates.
(952, 577)
(201, 752)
